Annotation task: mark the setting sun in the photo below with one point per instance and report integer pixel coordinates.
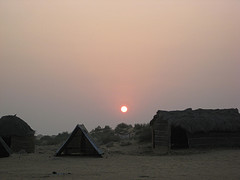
(124, 109)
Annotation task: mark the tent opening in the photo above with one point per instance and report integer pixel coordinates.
(179, 138)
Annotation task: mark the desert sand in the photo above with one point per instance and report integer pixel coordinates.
(123, 163)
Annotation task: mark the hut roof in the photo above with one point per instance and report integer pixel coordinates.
(14, 126)
(201, 120)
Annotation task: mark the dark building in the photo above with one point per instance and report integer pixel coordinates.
(17, 134)
(195, 128)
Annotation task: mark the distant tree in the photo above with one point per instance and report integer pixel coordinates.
(53, 140)
(46, 138)
(122, 127)
(61, 137)
(104, 135)
(97, 129)
(143, 132)
(138, 126)
(107, 128)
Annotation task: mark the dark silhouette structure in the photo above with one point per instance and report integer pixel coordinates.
(79, 143)
(195, 128)
(17, 134)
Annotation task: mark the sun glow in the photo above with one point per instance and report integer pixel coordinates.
(124, 109)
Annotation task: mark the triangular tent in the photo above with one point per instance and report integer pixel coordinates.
(79, 143)
(5, 151)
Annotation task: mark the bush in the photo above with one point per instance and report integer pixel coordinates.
(104, 135)
(122, 128)
(53, 140)
(143, 132)
(61, 137)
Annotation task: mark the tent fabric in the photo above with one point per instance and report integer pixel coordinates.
(5, 151)
(79, 143)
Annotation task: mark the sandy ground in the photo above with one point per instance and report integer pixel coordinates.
(121, 164)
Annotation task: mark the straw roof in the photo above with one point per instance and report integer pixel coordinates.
(14, 126)
(201, 120)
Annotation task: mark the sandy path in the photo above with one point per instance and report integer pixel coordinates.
(215, 164)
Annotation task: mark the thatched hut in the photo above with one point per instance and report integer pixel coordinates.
(17, 134)
(195, 128)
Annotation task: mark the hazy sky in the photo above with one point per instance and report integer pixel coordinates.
(67, 62)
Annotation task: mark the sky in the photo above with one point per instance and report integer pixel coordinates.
(69, 62)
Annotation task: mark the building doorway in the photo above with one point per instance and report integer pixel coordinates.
(179, 139)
